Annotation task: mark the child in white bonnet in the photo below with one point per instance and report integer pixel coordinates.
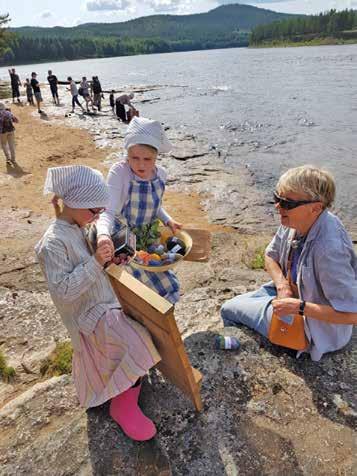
(111, 351)
(136, 187)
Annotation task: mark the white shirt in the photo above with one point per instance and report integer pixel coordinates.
(73, 87)
(79, 287)
(118, 181)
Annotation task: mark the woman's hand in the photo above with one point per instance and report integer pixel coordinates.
(286, 306)
(174, 225)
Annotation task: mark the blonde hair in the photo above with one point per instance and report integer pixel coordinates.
(317, 184)
(56, 206)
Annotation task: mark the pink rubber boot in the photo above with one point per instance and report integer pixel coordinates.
(125, 411)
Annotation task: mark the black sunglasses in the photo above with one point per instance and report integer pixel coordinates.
(290, 204)
(96, 212)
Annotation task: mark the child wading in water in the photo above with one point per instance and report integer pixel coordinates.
(111, 351)
(136, 187)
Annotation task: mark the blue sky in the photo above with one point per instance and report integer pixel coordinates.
(74, 12)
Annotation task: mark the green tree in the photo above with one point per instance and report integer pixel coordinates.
(4, 35)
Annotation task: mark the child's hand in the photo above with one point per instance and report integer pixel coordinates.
(105, 240)
(104, 253)
(174, 225)
(123, 259)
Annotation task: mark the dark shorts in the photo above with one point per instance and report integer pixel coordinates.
(38, 97)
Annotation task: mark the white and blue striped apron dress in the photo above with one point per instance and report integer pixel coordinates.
(141, 208)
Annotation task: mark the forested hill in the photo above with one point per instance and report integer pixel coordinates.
(225, 26)
(323, 27)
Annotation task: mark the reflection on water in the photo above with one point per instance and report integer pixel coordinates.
(273, 108)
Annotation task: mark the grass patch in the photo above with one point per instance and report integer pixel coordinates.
(60, 362)
(258, 260)
(6, 373)
(254, 252)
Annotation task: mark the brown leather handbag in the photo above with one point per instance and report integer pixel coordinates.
(291, 335)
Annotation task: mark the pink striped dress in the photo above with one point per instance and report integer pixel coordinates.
(111, 350)
(112, 358)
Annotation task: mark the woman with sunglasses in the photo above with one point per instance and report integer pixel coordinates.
(312, 264)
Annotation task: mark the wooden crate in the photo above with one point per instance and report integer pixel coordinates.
(157, 315)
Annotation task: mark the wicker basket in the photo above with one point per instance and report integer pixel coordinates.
(184, 236)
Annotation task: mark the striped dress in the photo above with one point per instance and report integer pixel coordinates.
(111, 351)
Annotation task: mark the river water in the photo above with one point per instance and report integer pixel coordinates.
(271, 108)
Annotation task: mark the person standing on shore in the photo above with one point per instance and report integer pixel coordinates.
(15, 85)
(112, 100)
(84, 91)
(7, 134)
(136, 188)
(74, 92)
(37, 91)
(112, 352)
(29, 92)
(120, 103)
(53, 82)
(97, 92)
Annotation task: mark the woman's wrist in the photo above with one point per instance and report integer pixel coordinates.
(282, 285)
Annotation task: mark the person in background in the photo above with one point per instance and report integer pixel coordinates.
(15, 85)
(53, 82)
(37, 91)
(112, 100)
(7, 134)
(74, 92)
(97, 92)
(313, 267)
(29, 92)
(112, 352)
(84, 91)
(120, 103)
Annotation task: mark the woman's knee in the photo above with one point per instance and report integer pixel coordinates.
(230, 313)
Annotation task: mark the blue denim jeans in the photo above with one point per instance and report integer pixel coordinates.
(252, 309)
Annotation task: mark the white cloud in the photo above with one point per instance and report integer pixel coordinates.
(109, 5)
(46, 14)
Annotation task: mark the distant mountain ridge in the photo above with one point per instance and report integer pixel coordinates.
(221, 20)
(226, 26)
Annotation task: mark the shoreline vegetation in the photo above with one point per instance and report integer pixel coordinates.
(329, 41)
(328, 28)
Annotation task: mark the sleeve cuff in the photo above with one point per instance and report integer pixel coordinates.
(164, 216)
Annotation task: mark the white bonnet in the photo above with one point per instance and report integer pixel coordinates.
(147, 132)
(78, 186)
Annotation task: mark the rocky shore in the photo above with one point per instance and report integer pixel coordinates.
(265, 413)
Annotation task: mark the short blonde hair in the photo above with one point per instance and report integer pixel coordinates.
(317, 184)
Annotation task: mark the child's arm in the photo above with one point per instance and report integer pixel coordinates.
(118, 185)
(64, 280)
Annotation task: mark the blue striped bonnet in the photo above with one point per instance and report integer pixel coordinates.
(78, 186)
(146, 132)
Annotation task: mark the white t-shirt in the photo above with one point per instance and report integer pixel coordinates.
(118, 181)
(73, 87)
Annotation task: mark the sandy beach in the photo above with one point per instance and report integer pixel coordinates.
(264, 411)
